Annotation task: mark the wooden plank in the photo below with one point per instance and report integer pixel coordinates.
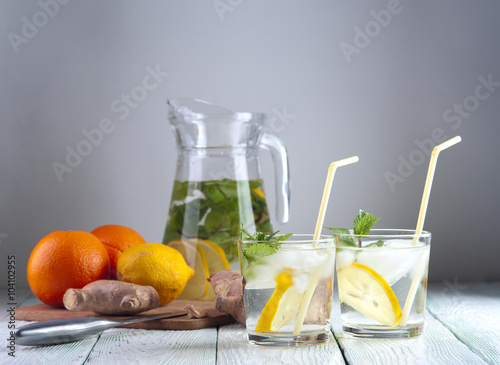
(472, 313)
(136, 346)
(436, 345)
(233, 348)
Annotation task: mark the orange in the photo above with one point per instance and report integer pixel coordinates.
(64, 260)
(116, 239)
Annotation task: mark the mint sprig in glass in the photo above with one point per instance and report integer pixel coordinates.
(362, 225)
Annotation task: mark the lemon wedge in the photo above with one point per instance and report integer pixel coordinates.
(259, 193)
(214, 254)
(198, 286)
(215, 259)
(282, 307)
(367, 292)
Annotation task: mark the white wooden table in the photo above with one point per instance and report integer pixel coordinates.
(462, 327)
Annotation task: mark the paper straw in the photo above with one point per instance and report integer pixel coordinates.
(326, 193)
(421, 218)
(428, 183)
(313, 281)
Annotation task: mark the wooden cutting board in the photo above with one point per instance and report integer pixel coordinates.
(43, 312)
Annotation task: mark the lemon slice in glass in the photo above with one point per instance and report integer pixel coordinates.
(282, 307)
(197, 286)
(367, 292)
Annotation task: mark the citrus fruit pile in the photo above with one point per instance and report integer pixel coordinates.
(72, 259)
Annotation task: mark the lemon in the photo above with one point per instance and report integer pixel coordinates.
(282, 307)
(215, 259)
(367, 292)
(214, 254)
(198, 285)
(156, 265)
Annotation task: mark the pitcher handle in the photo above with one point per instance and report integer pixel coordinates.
(273, 144)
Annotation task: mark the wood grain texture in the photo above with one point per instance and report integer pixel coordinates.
(233, 348)
(436, 345)
(42, 312)
(472, 313)
(135, 346)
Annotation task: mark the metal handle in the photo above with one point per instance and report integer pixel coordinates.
(278, 152)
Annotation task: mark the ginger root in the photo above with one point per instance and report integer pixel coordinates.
(195, 312)
(112, 297)
(228, 288)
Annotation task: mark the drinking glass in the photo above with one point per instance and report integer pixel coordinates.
(288, 289)
(382, 282)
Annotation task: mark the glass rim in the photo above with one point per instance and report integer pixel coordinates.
(308, 240)
(387, 232)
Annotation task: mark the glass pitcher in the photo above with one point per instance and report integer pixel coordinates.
(218, 186)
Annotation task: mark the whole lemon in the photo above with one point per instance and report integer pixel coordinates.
(157, 265)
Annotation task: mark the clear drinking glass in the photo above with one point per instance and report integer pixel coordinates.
(382, 282)
(288, 290)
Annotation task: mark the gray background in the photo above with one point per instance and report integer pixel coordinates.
(269, 56)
